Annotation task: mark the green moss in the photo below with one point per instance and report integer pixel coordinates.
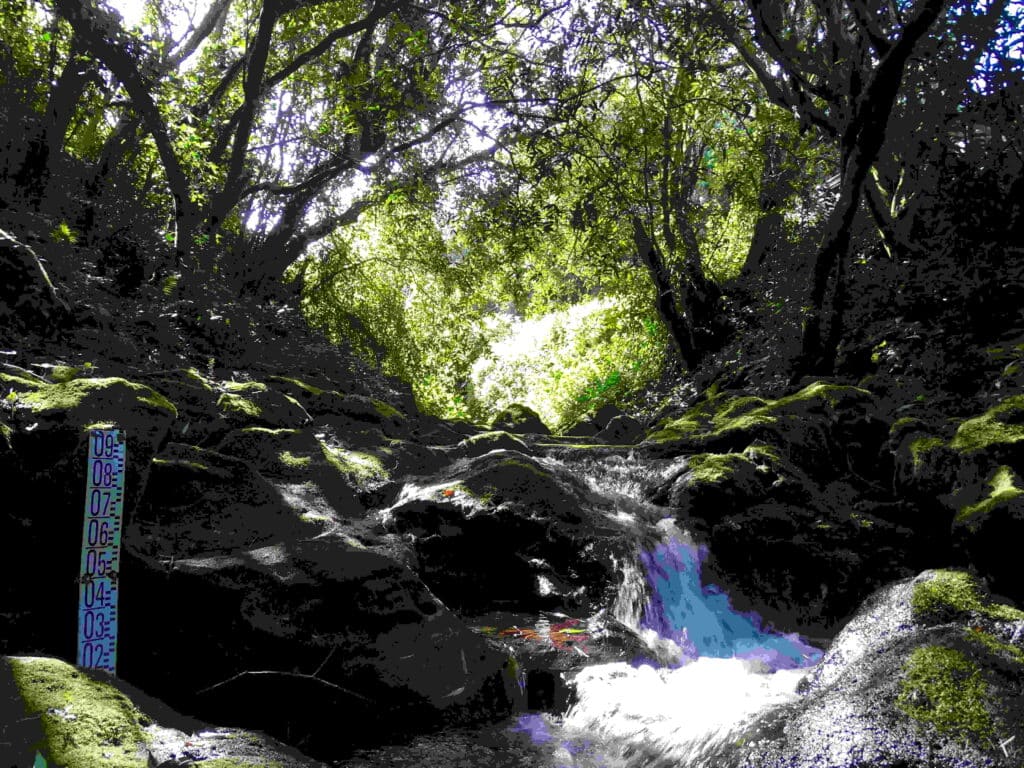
(899, 424)
(20, 383)
(993, 426)
(1004, 488)
(993, 644)
(199, 467)
(524, 465)
(721, 414)
(68, 395)
(309, 388)
(741, 411)
(197, 377)
(496, 437)
(386, 410)
(833, 394)
(270, 432)
(942, 688)
(289, 459)
(83, 720)
(238, 404)
(713, 467)
(756, 451)
(957, 592)
(6, 433)
(64, 373)
(923, 445)
(244, 387)
(361, 468)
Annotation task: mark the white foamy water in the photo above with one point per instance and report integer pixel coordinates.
(680, 714)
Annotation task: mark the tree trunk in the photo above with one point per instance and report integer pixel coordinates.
(665, 302)
(769, 231)
(861, 142)
(83, 16)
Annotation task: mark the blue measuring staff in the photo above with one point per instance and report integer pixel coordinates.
(101, 550)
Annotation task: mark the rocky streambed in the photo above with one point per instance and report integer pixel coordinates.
(331, 578)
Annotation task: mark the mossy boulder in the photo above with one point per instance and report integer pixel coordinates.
(298, 462)
(823, 427)
(485, 442)
(322, 397)
(253, 404)
(47, 435)
(583, 428)
(1000, 429)
(621, 430)
(200, 421)
(198, 500)
(293, 638)
(519, 419)
(367, 410)
(930, 671)
(923, 461)
(706, 485)
(84, 721)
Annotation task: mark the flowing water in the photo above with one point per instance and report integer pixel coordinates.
(706, 670)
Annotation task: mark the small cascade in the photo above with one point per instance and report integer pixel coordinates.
(709, 670)
(699, 673)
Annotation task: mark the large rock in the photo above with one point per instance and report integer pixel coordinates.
(824, 428)
(299, 458)
(199, 501)
(504, 532)
(800, 553)
(520, 419)
(930, 672)
(296, 638)
(622, 429)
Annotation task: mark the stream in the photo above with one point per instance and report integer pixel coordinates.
(704, 671)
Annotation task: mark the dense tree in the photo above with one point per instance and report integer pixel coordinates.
(468, 166)
(869, 76)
